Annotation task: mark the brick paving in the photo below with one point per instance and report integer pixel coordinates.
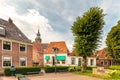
(53, 76)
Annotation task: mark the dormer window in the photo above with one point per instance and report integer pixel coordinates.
(6, 45)
(22, 47)
(2, 30)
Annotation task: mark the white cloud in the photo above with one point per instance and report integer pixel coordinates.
(29, 23)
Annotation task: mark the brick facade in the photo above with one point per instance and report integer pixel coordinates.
(16, 54)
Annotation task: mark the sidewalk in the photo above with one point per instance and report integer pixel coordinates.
(53, 76)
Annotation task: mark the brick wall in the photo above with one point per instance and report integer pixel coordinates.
(16, 54)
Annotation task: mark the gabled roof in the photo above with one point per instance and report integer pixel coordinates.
(73, 54)
(12, 31)
(102, 54)
(62, 48)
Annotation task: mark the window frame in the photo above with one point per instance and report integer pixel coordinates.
(73, 62)
(91, 62)
(25, 48)
(3, 45)
(25, 61)
(3, 61)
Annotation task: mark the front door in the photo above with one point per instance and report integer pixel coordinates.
(53, 60)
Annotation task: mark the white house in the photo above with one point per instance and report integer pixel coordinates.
(57, 54)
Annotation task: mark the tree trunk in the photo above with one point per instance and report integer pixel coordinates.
(84, 64)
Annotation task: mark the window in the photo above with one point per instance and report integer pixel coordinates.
(91, 62)
(79, 62)
(23, 61)
(63, 61)
(73, 61)
(58, 62)
(7, 61)
(22, 48)
(6, 45)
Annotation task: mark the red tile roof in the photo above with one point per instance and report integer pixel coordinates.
(62, 48)
(102, 54)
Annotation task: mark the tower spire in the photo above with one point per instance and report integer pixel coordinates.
(38, 37)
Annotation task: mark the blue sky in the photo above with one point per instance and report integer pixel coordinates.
(54, 18)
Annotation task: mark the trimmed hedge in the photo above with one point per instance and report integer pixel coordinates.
(22, 70)
(91, 67)
(50, 69)
(74, 68)
(114, 67)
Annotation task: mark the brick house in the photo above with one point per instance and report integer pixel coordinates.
(103, 59)
(15, 47)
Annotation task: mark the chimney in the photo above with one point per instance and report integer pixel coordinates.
(10, 20)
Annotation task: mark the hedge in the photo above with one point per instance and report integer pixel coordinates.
(114, 67)
(50, 69)
(91, 67)
(22, 70)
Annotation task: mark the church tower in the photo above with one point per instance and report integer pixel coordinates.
(38, 38)
(38, 51)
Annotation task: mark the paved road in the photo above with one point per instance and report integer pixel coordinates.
(53, 76)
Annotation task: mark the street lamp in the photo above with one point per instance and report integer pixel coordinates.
(55, 50)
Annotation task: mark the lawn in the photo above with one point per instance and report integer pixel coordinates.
(89, 73)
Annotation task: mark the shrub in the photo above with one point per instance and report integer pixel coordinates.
(22, 70)
(91, 67)
(71, 68)
(78, 68)
(50, 69)
(114, 74)
(114, 67)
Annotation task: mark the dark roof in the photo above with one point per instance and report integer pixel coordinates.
(44, 45)
(12, 31)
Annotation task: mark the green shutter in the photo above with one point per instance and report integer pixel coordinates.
(47, 57)
(60, 57)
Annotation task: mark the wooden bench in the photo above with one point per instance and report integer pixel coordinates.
(21, 77)
(33, 72)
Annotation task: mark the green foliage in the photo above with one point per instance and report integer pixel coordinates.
(113, 42)
(87, 30)
(114, 74)
(114, 67)
(50, 69)
(22, 70)
(91, 68)
(74, 68)
(71, 68)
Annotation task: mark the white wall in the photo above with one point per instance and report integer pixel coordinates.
(51, 61)
(68, 60)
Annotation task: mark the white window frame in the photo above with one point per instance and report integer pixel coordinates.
(3, 60)
(74, 60)
(25, 60)
(10, 45)
(92, 61)
(25, 48)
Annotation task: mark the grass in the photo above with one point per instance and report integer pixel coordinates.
(89, 73)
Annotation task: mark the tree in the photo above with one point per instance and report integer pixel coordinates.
(113, 43)
(87, 30)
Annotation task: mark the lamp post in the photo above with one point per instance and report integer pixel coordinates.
(55, 50)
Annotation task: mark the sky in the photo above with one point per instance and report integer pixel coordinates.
(54, 18)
